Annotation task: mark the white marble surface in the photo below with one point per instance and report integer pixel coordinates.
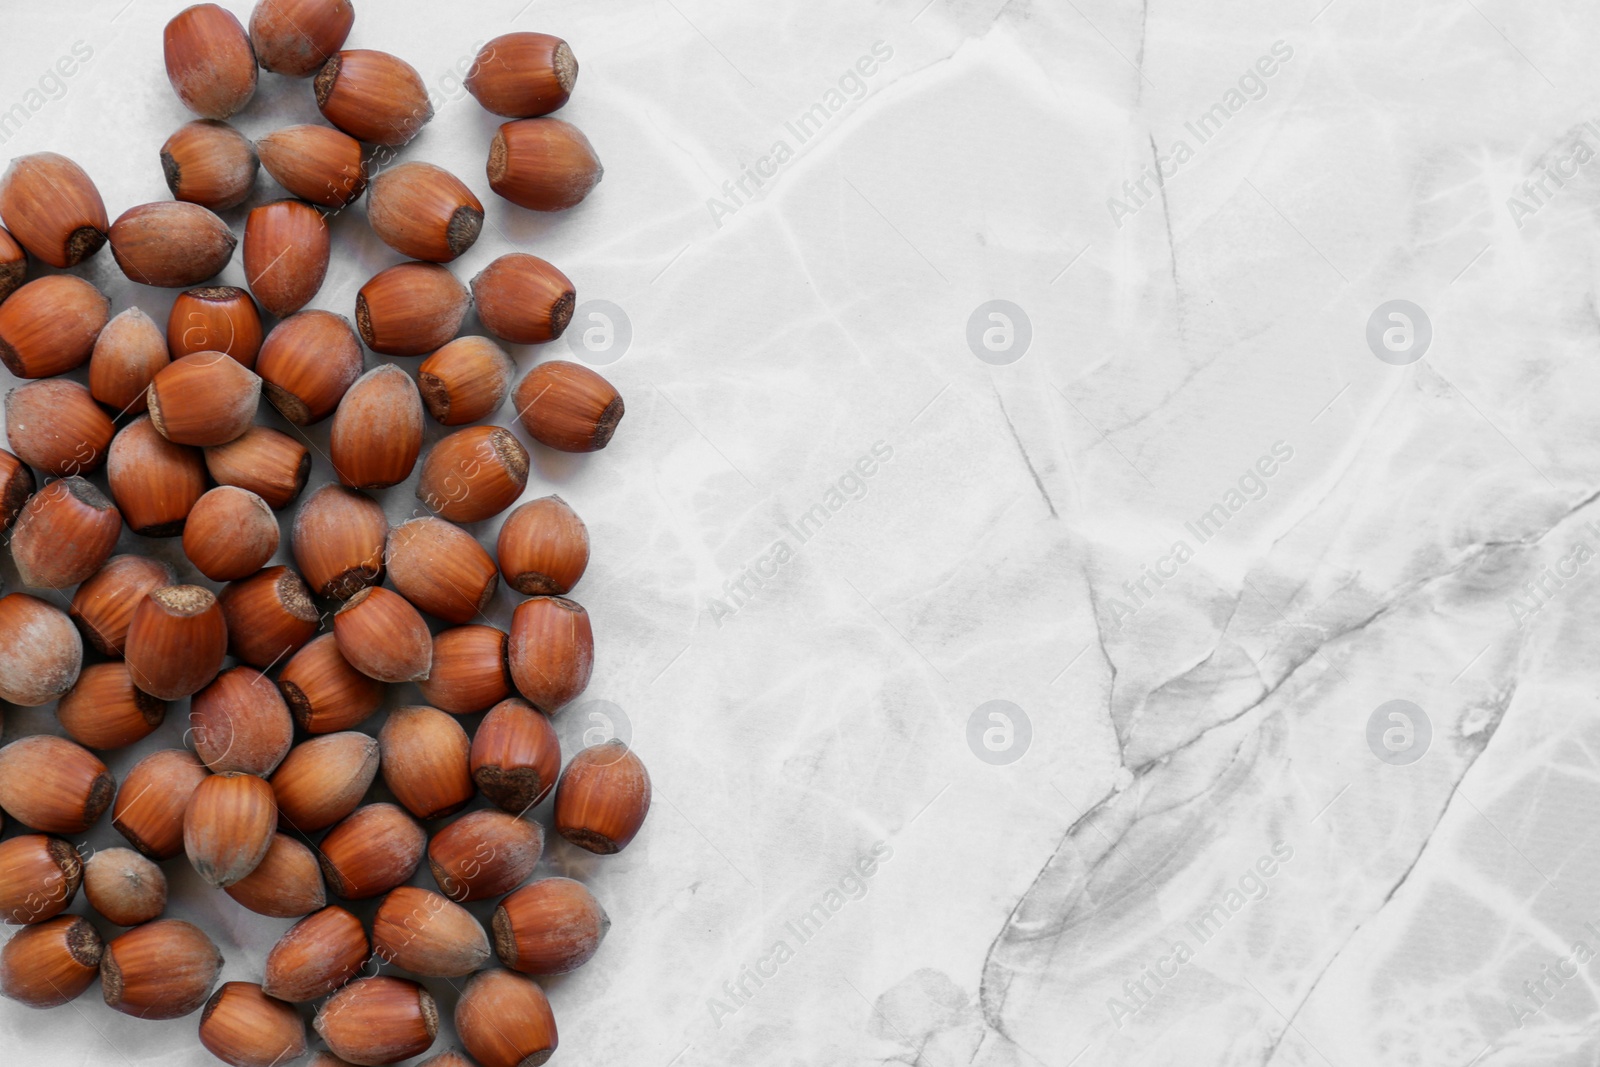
(1198, 745)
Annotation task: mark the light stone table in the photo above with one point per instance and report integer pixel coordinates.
(1100, 557)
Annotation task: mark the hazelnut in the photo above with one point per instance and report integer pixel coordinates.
(39, 876)
(53, 210)
(209, 61)
(316, 955)
(218, 318)
(338, 541)
(550, 926)
(209, 163)
(286, 249)
(295, 37)
(428, 935)
(16, 485)
(125, 887)
(603, 798)
(441, 569)
(160, 970)
(315, 163)
(383, 637)
(54, 785)
(52, 963)
(543, 547)
(149, 809)
(65, 532)
(228, 826)
(240, 723)
(231, 533)
(410, 309)
(473, 474)
(516, 757)
(372, 850)
(155, 483)
(466, 380)
(377, 431)
(504, 1020)
(270, 616)
(103, 605)
(203, 399)
(543, 164)
(13, 264)
(127, 356)
(325, 694)
(55, 425)
(171, 244)
(324, 779)
(308, 362)
(285, 885)
(106, 711)
(423, 753)
(567, 406)
(49, 326)
(551, 651)
(373, 96)
(176, 641)
(469, 671)
(378, 1020)
(245, 1027)
(424, 212)
(40, 651)
(270, 464)
(523, 299)
(523, 75)
(484, 854)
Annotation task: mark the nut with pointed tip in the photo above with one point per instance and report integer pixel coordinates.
(171, 244)
(125, 887)
(324, 692)
(469, 670)
(441, 569)
(603, 798)
(543, 548)
(53, 209)
(543, 164)
(243, 1026)
(209, 163)
(52, 963)
(484, 854)
(372, 850)
(231, 533)
(504, 1020)
(240, 723)
(270, 464)
(523, 75)
(307, 364)
(54, 785)
(65, 532)
(49, 326)
(428, 935)
(176, 641)
(296, 37)
(411, 309)
(315, 163)
(154, 482)
(383, 636)
(55, 425)
(210, 62)
(103, 605)
(466, 380)
(40, 651)
(373, 96)
(323, 779)
(127, 356)
(374, 1021)
(424, 212)
(105, 710)
(338, 540)
(160, 970)
(423, 753)
(516, 757)
(39, 876)
(376, 434)
(286, 249)
(204, 399)
(270, 615)
(215, 318)
(568, 407)
(551, 651)
(228, 826)
(16, 485)
(316, 955)
(473, 474)
(523, 299)
(13, 264)
(285, 885)
(551, 926)
(149, 809)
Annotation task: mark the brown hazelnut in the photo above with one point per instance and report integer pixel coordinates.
(105, 710)
(285, 885)
(40, 651)
(49, 326)
(52, 963)
(523, 75)
(372, 850)
(338, 541)
(504, 1020)
(149, 808)
(316, 955)
(373, 96)
(516, 757)
(176, 641)
(207, 398)
(286, 249)
(543, 548)
(217, 318)
(441, 569)
(377, 431)
(231, 533)
(551, 651)
(228, 826)
(171, 244)
(523, 299)
(296, 37)
(484, 854)
(55, 425)
(469, 671)
(243, 1026)
(154, 482)
(270, 615)
(16, 485)
(551, 926)
(603, 798)
(466, 380)
(428, 935)
(125, 887)
(53, 209)
(423, 753)
(209, 163)
(103, 605)
(424, 212)
(410, 309)
(270, 464)
(54, 785)
(383, 637)
(39, 876)
(127, 356)
(567, 406)
(65, 532)
(315, 163)
(13, 264)
(160, 970)
(324, 692)
(378, 1020)
(240, 723)
(324, 779)
(209, 61)
(307, 364)
(543, 164)
(473, 474)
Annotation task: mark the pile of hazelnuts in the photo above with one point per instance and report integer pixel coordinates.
(164, 438)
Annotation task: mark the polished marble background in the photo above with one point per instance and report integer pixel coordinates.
(1284, 589)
